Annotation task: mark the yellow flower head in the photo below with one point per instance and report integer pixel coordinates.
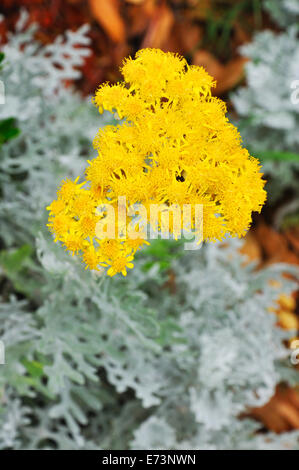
(175, 146)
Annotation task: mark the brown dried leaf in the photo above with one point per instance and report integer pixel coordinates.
(226, 76)
(189, 35)
(275, 245)
(251, 248)
(138, 18)
(272, 242)
(288, 320)
(282, 412)
(232, 74)
(292, 236)
(209, 62)
(159, 27)
(241, 36)
(135, 2)
(289, 413)
(106, 12)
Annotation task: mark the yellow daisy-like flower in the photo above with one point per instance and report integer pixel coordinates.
(120, 265)
(174, 147)
(73, 243)
(91, 257)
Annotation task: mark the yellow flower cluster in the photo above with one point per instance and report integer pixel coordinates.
(174, 145)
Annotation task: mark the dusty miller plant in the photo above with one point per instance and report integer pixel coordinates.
(269, 118)
(284, 12)
(150, 361)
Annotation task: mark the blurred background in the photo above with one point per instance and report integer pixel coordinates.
(206, 32)
(251, 47)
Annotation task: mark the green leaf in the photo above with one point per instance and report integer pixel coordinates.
(19, 268)
(279, 156)
(13, 261)
(162, 252)
(34, 368)
(8, 130)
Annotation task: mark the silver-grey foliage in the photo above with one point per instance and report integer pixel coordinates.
(284, 12)
(272, 118)
(93, 362)
(268, 117)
